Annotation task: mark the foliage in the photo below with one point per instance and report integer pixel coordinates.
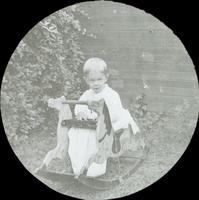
(139, 108)
(45, 64)
(184, 115)
(146, 119)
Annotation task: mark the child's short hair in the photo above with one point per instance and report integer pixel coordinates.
(95, 64)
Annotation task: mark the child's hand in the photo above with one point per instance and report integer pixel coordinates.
(81, 116)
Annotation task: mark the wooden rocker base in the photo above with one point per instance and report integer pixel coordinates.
(99, 183)
(96, 183)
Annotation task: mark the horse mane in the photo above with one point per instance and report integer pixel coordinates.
(107, 119)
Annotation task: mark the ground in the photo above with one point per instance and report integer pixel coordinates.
(167, 140)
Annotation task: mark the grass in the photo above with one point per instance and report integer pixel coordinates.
(168, 139)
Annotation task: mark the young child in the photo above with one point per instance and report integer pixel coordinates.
(82, 142)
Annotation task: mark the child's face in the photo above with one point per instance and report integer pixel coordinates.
(96, 80)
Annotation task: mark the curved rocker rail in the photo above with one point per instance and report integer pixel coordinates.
(137, 164)
(103, 182)
(95, 183)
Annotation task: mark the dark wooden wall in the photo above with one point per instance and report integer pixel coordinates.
(143, 54)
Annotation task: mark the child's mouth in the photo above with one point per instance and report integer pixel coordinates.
(96, 89)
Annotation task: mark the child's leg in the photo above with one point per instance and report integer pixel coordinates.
(82, 144)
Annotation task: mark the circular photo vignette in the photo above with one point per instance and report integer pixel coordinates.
(148, 67)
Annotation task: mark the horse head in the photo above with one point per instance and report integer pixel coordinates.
(64, 109)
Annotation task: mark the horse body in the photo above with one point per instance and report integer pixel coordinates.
(61, 149)
(104, 135)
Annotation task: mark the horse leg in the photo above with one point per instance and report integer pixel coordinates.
(48, 158)
(60, 151)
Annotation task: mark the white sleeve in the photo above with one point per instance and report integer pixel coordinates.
(120, 117)
(114, 106)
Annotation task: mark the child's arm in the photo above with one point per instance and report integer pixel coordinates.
(120, 117)
(114, 106)
(82, 112)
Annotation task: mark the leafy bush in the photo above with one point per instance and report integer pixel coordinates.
(180, 119)
(146, 119)
(45, 64)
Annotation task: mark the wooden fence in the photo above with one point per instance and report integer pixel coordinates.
(144, 56)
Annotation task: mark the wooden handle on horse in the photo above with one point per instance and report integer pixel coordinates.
(74, 102)
(94, 105)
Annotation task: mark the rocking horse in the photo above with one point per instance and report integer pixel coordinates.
(116, 147)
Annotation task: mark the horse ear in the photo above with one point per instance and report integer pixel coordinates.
(63, 98)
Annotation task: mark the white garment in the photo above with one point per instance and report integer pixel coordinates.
(83, 142)
(120, 117)
(82, 145)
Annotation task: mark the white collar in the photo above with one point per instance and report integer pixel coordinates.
(104, 89)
